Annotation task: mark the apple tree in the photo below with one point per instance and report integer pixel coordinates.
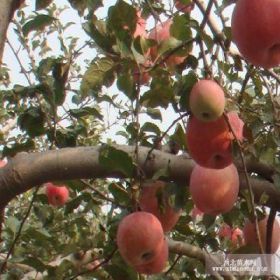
(104, 118)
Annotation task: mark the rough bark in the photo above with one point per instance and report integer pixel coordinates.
(27, 170)
(7, 9)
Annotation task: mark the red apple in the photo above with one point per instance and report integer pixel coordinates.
(237, 125)
(149, 202)
(140, 29)
(2, 163)
(214, 191)
(161, 33)
(158, 264)
(234, 235)
(255, 30)
(207, 100)
(57, 195)
(225, 231)
(140, 237)
(237, 237)
(209, 143)
(250, 235)
(195, 213)
(185, 8)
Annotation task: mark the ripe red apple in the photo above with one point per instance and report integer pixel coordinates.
(237, 237)
(2, 163)
(140, 238)
(214, 191)
(225, 231)
(57, 195)
(161, 33)
(149, 202)
(234, 235)
(185, 8)
(255, 30)
(140, 29)
(237, 125)
(207, 100)
(250, 235)
(158, 264)
(195, 213)
(209, 143)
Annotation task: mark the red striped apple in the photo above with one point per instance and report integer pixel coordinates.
(214, 191)
(151, 194)
(57, 195)
(140, 239)
(255, 30)
(250, 234)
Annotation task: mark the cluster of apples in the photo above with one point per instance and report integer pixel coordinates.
(214, 181)
(160, 34)
(140, 236)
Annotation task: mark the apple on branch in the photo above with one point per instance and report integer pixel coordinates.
(57, 195)
(255, 31)
(153, 199)
(161, 34)
(141, 242)
(250, 234)
(207, 100)
(214, 191)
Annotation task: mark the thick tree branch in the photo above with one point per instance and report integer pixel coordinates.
(7, 9)
(27, 170)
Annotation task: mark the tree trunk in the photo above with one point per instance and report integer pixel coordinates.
(7, 8)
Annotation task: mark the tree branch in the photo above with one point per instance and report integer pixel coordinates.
(7, 9)
(27, 170)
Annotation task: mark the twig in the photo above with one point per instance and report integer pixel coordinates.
(162, 136)
(102, 195)
(173, 265)
(4, 264)
(106, 260)
(23, 70)
(249, 187)
(269, 230)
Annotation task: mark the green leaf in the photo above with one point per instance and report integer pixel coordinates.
(119, 193)
(154, 113)
(179, 137)
(42, 4)
(150, 127)
(125, 83)
(32, 121)
(122, 20)
(185, 87)
(208, 220)
(96, 75)
(79, 5)
(177, 195)
(18, 147)
(180, 28)
(38, 23)
(13, 224)
(116, 160)
(86, 111)
(35, 263)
